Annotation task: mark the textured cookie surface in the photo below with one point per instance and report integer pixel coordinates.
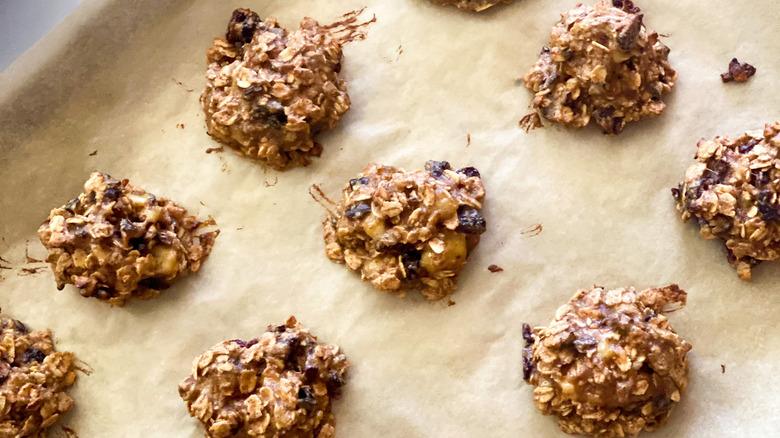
(33, 380)
(609, 364)
(602, 65)
(408, 230)
(280, 385)
(270, 90)
(116, 241)
(471, 5)
(732, 193)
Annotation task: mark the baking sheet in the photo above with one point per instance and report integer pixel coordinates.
(123, 77)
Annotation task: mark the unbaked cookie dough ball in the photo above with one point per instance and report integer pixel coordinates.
(280, 385)
(34, 378)
(602, 65)
(609, 364)
(115, 241)
(408, 230)
(270, 91)
(471, 5)
(732, 193)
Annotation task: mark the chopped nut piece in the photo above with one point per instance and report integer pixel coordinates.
(495, 268)
(33, 380)
(738, 72)
(602, 64)
(731, 191)
(116, 241)
(408, 230)
(269, 91)
(277, 386)
(609, 364)
(471, 5)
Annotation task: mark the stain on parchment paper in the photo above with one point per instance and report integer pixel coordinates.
(532, 230)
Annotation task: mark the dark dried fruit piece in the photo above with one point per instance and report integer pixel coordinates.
(528, 336)
(739, 72)
(747, 147)
(242, 26)
(335, 382)
(33, 354)
(411, 262)
(306, 398)
(765, 206)
(437, 168)
(626, 39)
(470, 221)
(626, 5)
(469, 172)
(354, 183)
(357, 211)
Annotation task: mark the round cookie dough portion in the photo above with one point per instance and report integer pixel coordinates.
(732, 193)
(33, 380)
(471, 5)
(609, 364)
(277, 386)
(116, 241)
(602, 65)
(270, 90)
(408, 230)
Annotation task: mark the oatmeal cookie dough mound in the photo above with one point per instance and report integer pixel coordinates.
(269, 91)
(277, 386)
(732, 193)
(609, 364)
(33, 380)
(116, 241)
(408, 230)
(602, 64)
(471, 5)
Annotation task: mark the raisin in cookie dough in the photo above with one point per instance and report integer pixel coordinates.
(602, 65)
(408, 230)
(609, 364)
(270, 90)
(116, 241)
(278, 386)
(471, 5)
(732, 193)
(33, 380)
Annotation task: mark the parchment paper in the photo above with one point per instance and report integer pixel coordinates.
(117, 77)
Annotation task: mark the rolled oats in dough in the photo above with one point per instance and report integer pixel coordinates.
(732, 193)
(602, 65)
(471, 5)
(115, 241)
(609, 364)
(270, 91)
(33, 380)
(277, 386)
(408, 230)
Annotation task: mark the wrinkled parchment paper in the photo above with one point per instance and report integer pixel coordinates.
(117, 77)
